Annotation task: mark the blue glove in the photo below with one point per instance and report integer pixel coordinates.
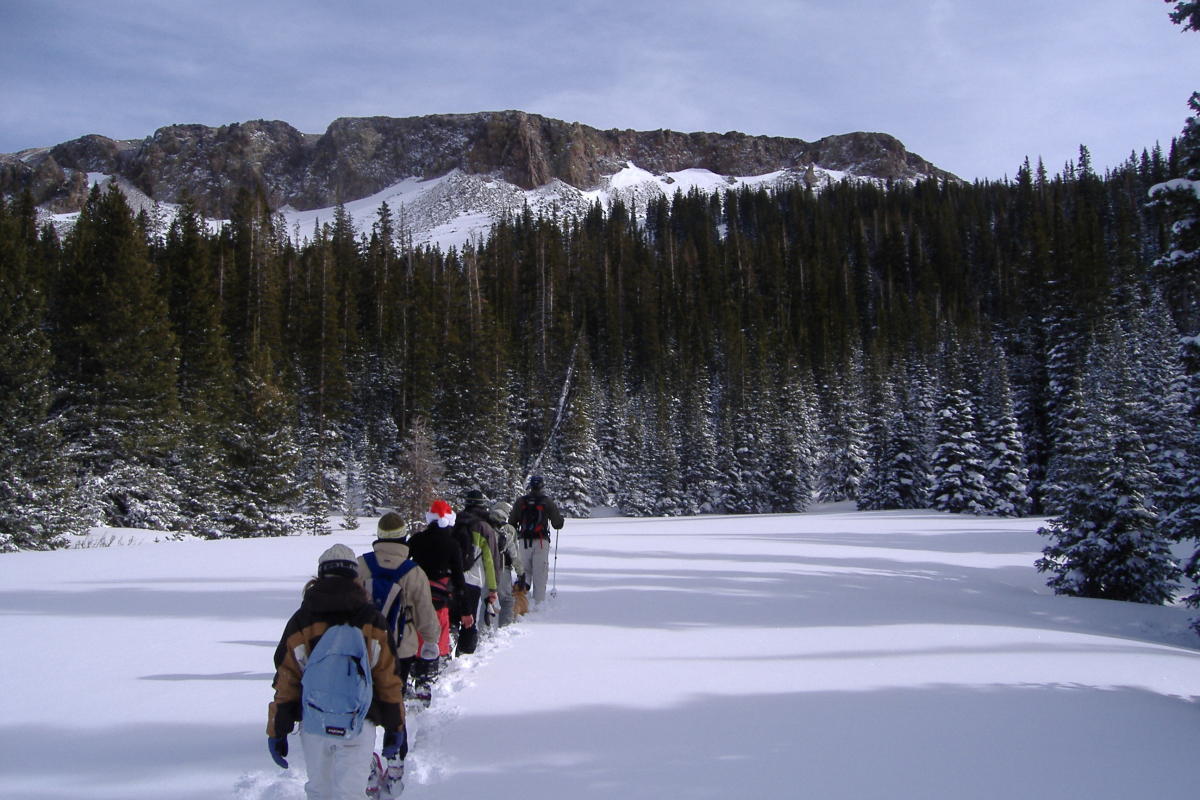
(395, 744)
(279, 750)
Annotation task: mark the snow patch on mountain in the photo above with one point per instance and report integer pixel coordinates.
(458, 208)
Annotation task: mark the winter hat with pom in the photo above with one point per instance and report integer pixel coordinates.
(441, 513)
(391, 526)
(338, 560)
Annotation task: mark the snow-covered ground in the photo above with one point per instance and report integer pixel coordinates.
(827, 655)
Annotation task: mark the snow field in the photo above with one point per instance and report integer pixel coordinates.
(833, 654)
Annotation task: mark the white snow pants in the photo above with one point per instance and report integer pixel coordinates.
(535, 554)
(338, 769)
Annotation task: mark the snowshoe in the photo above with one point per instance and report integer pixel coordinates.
(422, 692)
(375, 782)
(391, 784)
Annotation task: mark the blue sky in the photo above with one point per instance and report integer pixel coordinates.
(973, 85)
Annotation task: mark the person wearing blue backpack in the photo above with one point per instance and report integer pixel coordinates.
(335, 675)
(399, 588)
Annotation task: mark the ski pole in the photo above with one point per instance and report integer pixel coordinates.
(554, 571)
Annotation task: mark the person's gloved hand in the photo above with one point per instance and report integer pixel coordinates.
(395, 744)
(429, 651)
(279, 750)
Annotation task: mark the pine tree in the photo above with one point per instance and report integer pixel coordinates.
(1005, 472)
(118, 359)
(843, 456)
(580, 452)
(698, 447)
(35, 502)
(205, 377)
(1105, 542)
(422, 473)
(957, 465)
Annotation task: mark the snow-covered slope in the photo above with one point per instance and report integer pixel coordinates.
(839, 655)
(458, 208)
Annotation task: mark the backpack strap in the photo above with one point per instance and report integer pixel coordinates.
(382, 580)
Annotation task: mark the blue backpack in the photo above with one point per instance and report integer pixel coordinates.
(381, 585)
(336, 687)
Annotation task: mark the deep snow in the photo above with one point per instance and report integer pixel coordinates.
(833, 654)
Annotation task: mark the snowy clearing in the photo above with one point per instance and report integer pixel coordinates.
(833, 654)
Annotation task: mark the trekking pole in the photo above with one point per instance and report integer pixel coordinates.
(554, 571)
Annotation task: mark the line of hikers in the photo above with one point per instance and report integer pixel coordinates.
(374, 629)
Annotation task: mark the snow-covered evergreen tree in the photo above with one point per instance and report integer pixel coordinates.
(898, 472)
(421, 471)
(874, 490)
(579, 450)
(957, 465)
(1105, 540)
(793, 445)
(35, 490)
(843, 456)
(1158, 409)
(635, 487)
(1005, 472)
(669, 499)
(698, 447)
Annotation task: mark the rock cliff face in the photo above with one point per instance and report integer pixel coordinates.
(357, 157)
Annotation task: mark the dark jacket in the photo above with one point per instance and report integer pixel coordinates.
(333, 601)
(436, 552)
(550, 513)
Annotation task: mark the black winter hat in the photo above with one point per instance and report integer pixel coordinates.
(476, 498)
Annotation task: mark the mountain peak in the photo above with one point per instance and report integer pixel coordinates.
(357, 157)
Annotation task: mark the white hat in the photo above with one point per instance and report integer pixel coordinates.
(338, 560)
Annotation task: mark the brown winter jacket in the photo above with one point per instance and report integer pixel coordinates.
(332, 601)
(412, 591)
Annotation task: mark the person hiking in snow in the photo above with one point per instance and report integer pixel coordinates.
(510, 561)
(436, 552)
(399, 588)
(477, 539)
(532, 515)
(337, 767)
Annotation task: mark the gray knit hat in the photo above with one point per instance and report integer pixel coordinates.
(338, 560)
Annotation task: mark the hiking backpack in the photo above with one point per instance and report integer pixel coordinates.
(382, 579)
(336, 686)
(533, 518)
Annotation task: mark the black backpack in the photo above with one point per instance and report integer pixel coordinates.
(533, 518)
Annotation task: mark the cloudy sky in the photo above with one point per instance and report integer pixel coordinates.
(973, 85)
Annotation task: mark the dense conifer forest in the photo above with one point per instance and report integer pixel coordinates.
(998, 348)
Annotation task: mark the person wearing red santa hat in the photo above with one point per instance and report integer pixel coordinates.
(436, 552)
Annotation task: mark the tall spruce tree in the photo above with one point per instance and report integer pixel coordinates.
(118, 359)
(957, 465)
(35, 486)
(1105, 541)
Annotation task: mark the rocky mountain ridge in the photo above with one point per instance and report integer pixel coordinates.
(359, 157)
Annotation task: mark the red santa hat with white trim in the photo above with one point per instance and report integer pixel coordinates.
(441, 513)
